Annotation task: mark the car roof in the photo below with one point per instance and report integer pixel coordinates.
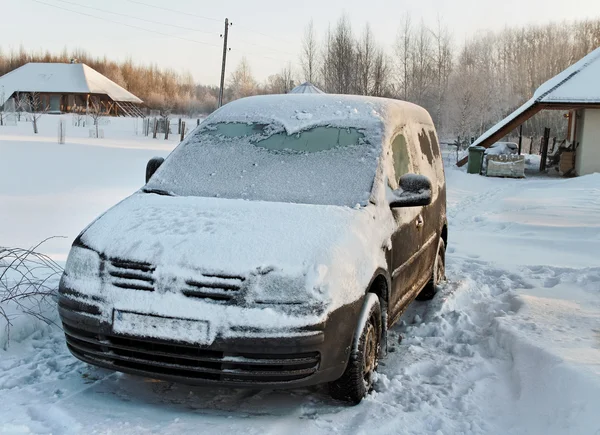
(297, 112)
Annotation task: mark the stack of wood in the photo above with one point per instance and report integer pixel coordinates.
(567, 162)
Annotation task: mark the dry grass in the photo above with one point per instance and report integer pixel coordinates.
(29, 282)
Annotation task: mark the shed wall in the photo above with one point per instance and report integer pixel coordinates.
(587, 160)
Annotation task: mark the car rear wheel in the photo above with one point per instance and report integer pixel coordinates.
(357, 380)
(438, 274)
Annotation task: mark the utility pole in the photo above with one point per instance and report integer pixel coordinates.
(224, 35)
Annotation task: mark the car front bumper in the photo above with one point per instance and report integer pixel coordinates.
(294, 359)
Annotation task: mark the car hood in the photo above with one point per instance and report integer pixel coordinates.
(293, 246)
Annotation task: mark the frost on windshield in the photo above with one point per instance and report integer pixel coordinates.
(319, 165)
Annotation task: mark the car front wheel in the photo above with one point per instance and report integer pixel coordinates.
(357, 380)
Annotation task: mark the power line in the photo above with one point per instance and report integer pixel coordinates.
(127, 25)
(171, 25)
(156, 31)
(251, 53)
(190, 14)
(268, 48)
(276, 38)
(174, 11)
(138, 18)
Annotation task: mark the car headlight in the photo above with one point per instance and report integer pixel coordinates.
(82, 263)
(284, 293)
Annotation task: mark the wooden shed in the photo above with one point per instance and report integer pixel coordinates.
(576, 90)
(68, 87)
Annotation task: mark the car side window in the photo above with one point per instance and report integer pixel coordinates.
(401, 159)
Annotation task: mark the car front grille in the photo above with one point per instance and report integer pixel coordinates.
(131, 275)
(220, 287)
(217, 287)
(189, 361)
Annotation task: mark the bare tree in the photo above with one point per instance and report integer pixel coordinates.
(281, 83)
(403, 53)
(326, 68)
(365, 50)
(242, 82)
(309, 55)
(442, 59)
(96, 110)
(28, 281)
(339, 59)
(79, 118)
(165, 116)
(21, 104)
(422, 66)
(38, 107)
(380, 74)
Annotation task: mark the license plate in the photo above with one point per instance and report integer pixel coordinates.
(143, 325)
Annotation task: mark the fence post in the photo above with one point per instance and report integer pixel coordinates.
(544, 150)
(530, 144)
(61, 131)
(155, 128)
(167, 125)
(179, 126)
(182, 130)
(197, 122)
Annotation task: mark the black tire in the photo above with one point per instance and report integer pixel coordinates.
(437, 276)
(357, 380)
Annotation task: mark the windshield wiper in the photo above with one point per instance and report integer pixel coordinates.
(157, 191)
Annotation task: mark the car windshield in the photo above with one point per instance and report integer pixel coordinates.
(319, 165)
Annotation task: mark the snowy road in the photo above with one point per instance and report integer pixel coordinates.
(511, 344)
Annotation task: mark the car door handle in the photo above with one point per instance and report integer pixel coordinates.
(420, 221)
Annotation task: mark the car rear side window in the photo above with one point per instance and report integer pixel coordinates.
(401, 158)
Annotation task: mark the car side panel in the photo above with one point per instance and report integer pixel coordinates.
(433, 214)
(405, 264)
(415, 246)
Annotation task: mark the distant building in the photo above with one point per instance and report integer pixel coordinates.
(306, 88)
(577, 91)
(68, 87)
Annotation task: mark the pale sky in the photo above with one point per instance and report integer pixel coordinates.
(267, 32)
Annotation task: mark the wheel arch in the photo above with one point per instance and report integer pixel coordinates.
(444, 233)
(380, 285)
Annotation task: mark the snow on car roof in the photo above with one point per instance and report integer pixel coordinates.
(296, 112)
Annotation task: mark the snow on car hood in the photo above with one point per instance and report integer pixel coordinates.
(297, 247)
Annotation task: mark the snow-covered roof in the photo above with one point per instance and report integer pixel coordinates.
(578, 84)
(67, 78)
(306, 88)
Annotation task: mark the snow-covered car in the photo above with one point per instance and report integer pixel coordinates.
(274, 247)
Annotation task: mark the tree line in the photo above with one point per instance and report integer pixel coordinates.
(465, 87)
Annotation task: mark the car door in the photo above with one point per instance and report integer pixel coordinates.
(407, 237)
(431, 214)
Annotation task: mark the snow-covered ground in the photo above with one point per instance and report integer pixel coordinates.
(511, 344)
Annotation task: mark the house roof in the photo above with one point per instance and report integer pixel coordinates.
(67, 78)
(306, 88)
(578, 84)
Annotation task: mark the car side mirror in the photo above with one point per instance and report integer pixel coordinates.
(414, 191)
(153, 164)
